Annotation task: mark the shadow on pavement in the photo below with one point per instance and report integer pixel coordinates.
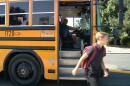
(44, 82)
(1, 75)
(114, 79)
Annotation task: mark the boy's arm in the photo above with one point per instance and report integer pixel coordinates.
(84, 56)
(104, 69)
(103, 66)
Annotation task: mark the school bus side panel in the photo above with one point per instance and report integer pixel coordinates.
(49, 59)
(13, 38)
(3, 54)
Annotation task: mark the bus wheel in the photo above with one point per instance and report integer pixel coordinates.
(24, 70)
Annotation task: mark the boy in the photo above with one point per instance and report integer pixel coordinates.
(93, 71)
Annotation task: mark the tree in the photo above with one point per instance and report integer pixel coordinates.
(127, 17)
(110, 15)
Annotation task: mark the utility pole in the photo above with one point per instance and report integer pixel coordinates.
(121, 8)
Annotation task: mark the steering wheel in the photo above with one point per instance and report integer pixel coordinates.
(78, 32)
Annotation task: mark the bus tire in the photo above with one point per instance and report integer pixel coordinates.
(24, 70)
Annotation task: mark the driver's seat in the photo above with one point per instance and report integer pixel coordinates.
(67, 42)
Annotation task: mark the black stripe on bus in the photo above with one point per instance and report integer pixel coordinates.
(27, 38)
(51, 71)
(28, 47)
(29, 28)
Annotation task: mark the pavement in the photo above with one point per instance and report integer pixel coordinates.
(117, 49)
(116, 56)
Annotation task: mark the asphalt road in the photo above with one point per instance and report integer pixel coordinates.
(44, 82)
(114, 79)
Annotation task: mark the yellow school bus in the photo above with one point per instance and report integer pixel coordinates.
(30, 45)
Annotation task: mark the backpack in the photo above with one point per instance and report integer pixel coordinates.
(88, 60)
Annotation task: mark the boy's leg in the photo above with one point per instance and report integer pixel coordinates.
(93, 81)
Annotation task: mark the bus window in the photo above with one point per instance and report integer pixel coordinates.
(86, 22)
(42, 14)
(43, 5)
(19, 12)
(43, 19)
(74, 21)
(77, 22)
(2, 14)
(70, 22)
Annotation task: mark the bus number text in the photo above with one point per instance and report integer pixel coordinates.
(9, 33)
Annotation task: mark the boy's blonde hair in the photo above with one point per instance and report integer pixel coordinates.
(101, 34)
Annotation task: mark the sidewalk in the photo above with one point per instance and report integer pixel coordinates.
(117, 49)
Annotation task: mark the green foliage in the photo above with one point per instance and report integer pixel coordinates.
(118, 41)
(125, 40)
(127, 15)
(109, 13)
(109, 17)
(111, 41)
(106, 29)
